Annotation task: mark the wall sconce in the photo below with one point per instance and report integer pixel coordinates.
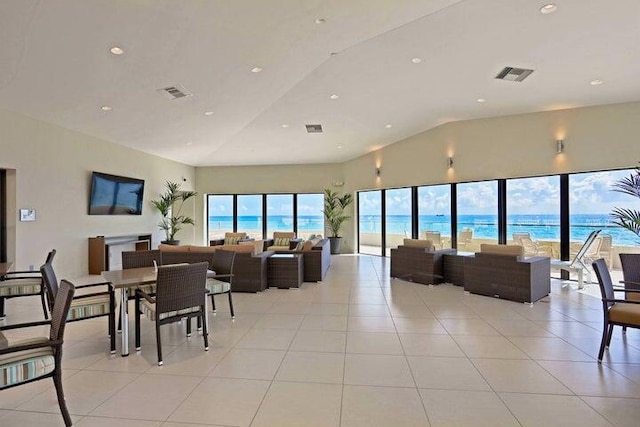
(378, 172)
(559, 146)
(450, 162)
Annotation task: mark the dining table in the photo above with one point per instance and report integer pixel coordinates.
(128, 280)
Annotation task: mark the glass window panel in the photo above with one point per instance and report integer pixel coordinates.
(477, 214)
(533, 215)
(310, 216)
(397, 217)
(279, 213)
(591, 200)
(370, 225)
(434, 215)
(250, 215)
(220, 215)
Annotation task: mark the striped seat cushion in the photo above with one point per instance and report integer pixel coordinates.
(281, 241)
(149, 310)
(14, 287)
(26, 365)
(88, 307)
(217, 286)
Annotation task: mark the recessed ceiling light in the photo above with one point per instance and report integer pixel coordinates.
(388, 126)
(596, 82)
(334, 96)
(106, 108)
(189, 143)
(339, 147)
(320, 21)
(116, 50)
(481, 100)
(208, 113)
(416, 60)
(548, 8)
(256, 69)
(285, 125)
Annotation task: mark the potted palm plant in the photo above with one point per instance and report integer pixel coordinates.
(628, 218)
(334, 207)
(170, 206)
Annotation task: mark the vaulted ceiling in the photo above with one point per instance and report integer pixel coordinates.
(394, 68)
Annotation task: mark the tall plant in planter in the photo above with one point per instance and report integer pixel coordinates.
(334, 207)
(628, 218)
(170, 206)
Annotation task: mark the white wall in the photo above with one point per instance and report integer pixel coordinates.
(52, 175)
(53, 165)
(595, 138)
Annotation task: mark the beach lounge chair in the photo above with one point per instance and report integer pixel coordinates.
(435, 238)
(582, 260)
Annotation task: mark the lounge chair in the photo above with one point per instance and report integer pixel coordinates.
(580, 263)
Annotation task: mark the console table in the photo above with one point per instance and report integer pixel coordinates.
(99, 249)
(284, 270)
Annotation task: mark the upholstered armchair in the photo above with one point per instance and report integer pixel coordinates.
(229, 239)
(417, 261)
(502, 271)
(282, 241)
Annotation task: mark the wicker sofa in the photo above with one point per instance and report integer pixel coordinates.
(316, 259)
(502, 271)
(417, 261)
(250, 271)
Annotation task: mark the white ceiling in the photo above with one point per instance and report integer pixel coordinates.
(55, 65)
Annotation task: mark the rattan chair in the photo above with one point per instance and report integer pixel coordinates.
(87, 305)
(139, 259)
(180, 293)
(220, 282)
(16, 284)
(631, 275)
(621, 312)
(37, 358)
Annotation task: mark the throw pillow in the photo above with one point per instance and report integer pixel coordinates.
(231, 240)
(281, 241)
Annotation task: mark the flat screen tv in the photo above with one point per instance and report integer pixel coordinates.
(115, 195)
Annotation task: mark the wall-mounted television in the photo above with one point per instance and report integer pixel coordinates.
(115, 195)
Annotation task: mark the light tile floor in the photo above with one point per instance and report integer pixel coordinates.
(358, 349)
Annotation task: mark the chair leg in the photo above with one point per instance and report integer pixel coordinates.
(233, 316)
(57, 381)
(44, 304)
(188, 326)
(609, 334)
(213, 303)
(137, 310)
(112, 331)
(119, 318)
(205, 333)
(2, 308)
(624, 329)
(158, 343)
(605, 329)
(199, 322)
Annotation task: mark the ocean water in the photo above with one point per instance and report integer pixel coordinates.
(541, 227)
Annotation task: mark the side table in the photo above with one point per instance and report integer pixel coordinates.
(454, 268)
(284, 270)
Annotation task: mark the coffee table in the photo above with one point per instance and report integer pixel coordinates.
(284, 270)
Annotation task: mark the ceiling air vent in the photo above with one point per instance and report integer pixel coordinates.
(314, 128)
(513, 74)
(175, 92)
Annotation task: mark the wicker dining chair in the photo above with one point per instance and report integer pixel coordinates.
(32, 359)
(220, 282)
(139, 259)
(16, 284)
(87, 305)
(617, 311)
(180, 293)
